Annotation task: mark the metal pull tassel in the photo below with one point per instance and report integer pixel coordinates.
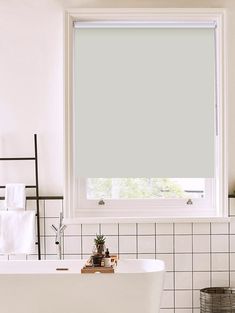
(189, 202)
(101, 202)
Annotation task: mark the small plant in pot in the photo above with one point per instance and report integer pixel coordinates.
(100, 244)
(99, 250)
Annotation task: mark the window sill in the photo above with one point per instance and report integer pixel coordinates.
(103, 220)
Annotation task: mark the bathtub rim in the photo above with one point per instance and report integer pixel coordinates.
(14, 267)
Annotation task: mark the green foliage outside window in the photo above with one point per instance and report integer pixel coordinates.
(133, 188)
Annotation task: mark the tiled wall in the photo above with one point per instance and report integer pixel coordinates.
(197, 255)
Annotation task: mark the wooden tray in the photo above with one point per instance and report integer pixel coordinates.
(92, 270)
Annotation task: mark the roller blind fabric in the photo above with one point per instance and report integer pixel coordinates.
(144, 101)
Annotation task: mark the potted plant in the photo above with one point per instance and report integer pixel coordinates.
(99, 243)
(97, 260)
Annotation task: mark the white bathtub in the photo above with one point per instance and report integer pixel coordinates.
(37, 287)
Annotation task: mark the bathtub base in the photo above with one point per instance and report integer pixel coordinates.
(78, 293)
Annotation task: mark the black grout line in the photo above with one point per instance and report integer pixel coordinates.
(81, 243)
(136, 241)
(201, 271)
(229, 257)
(63, 248)
(150, 235)
(150, 252)
(44, 226)
(118, 241)
(210, 258)
(174, 276)
(179, 308)
(155, 240)
(192, 269)
(196, 289)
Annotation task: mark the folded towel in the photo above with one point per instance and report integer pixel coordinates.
(15, 196)
(17, 232)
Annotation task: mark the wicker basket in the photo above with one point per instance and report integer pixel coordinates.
(217, 300)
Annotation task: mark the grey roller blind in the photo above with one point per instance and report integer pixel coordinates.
(144, 100)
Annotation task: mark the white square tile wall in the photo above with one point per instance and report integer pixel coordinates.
(146, 244)
(73, 230)
(219, 228)
(220, 279)
(146, 256)
(109, 229)
(183, 280)
(232, 261)
(53, 208)
(201, 280)
(183, 262)
(232, 226)
(232, 279)
(219, 243)
(168, 259)
(72, 245)
(169, 281)
(127, 229)
(232, 207)
(183, 229)
(87, 244)
(196, 255)
(146, 229)
(220, 261)
(201, 228)
(168, 297)
(196, 298)
(201, 243)
(111, 242)
(201, 262)
(127, 244)
(183, 244)
(164, 229)
(183, 298)
(232, 243)
(164, 244)
(90, 229)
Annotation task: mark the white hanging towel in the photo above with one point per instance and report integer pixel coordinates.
(17, 232)
(15, 196)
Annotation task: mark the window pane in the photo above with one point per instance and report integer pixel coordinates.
(145, 188)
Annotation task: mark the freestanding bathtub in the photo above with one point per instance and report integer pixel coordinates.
(38, 287)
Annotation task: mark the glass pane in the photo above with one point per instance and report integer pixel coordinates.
(145, 188)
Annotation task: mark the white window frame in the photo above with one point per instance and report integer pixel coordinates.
(145, 208)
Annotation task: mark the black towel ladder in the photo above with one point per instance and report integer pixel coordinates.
(36, 187)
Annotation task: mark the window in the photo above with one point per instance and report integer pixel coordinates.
(166, 196)
(144, 196)
(147, 101)
(144, 188)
